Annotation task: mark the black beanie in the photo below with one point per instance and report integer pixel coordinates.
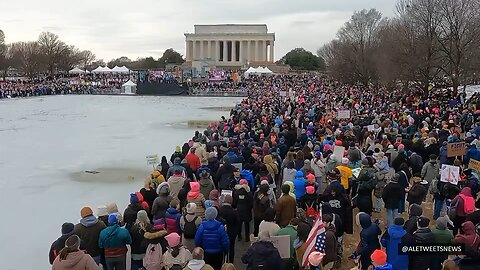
(67, 228)
(399, 221)
(285, 189)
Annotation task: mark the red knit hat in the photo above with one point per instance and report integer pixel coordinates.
(379, 257)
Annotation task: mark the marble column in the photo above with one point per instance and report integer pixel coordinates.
(249, 51)
(225, 51)
(194, 50)
(234, 51)
(272, 58)
(217, 50)
(187, 50)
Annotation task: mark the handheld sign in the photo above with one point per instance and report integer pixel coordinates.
(152, 160)
(338, 152)
(450, 174)
(282, 243)
(474, 165)
(343, 114)
(456, 149)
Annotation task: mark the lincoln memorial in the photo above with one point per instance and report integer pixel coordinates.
(230, 44)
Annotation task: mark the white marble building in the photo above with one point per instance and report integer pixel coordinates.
(230, 44)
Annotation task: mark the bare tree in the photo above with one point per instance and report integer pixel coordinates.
(26, 56)
(4, 65)
(86, 58)
(52, 49)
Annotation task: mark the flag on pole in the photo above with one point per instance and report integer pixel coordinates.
(315, 240)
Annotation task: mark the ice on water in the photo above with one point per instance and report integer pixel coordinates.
(46, 144)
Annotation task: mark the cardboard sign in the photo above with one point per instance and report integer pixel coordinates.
(338, 152)
(450, 174)
(343, 114)
(152, 159)
(456, 149)
(474, 165)
(282, 243)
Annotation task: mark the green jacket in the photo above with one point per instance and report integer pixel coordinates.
(292, 232)
(442, 236)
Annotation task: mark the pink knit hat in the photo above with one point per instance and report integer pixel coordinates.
(243, 182)
(310, 189)
(173, 239)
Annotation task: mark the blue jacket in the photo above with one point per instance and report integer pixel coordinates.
(299, 184)
(443, 155)
(173, 214)
(368, 239)
(114, 237)
(473, 153)
(212, 237)
(391, 242)
(233, 158)
(386, 267)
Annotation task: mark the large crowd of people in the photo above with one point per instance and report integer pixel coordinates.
(287, 163)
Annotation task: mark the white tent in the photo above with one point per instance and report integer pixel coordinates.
(265, 70)
(76, 71)
(251, 70)
(122, 69)
(129, 88)
(101, 70)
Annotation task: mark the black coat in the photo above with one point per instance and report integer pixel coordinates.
(416, 194)
(130, 215)
(262, 254)
(139, 244)
(392, 195)
(149, 196)
(231, 218)
(213, 165)
(421, 262)
(243, 202)
(366, 182)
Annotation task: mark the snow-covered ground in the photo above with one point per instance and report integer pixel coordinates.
(471, 89)
(47, 143)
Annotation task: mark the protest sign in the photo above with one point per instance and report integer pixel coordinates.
(343, 114)
(456, 149)
(474, 165)
(152, 159)
(450, 174)
(283, 93)
(338, 152)
(371, 127)
(282, 243)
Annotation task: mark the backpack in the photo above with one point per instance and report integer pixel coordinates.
(434, 186)
(190, 228)
(468, 204)
(311, 211)
(153, 257)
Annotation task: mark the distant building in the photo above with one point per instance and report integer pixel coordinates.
(230, 45)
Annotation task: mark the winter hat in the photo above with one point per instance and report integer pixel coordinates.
(315, 258)
(318, 154)
(344, 161)
(178, 149)
(173, 239)
(163, 189)
(72, 243)
(86, 211)
(311, 178)
(441, 223)
(142, 216)
(211, 213)
(228, 199)
(191, 208)
(102, 210)
(299, 174)
(399, 221)
(401, 147)
(423, 222)
(416, 210)
(379, 257)
(209, 203)
(134, 198)
(112, 208)
(67, 228)
(243, 182)
(112, 219)
(195, 186)
(264, 182)
(285, 189)
(310, 189)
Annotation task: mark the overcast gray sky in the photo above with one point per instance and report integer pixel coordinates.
(114, 28)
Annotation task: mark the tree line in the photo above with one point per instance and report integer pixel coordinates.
(426, 41)
(49, 54)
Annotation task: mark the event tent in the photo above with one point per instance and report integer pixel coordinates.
(258, 70)
(121, 69)
(101, 70)
(76, 71)
(129, 88)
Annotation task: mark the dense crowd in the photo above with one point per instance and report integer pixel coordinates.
(286, 164)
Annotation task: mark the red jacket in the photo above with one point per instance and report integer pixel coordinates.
(193, 160)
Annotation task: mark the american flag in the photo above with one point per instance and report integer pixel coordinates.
(315, 240)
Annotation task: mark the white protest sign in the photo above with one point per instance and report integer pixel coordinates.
(282, 243)
(283, 93)
(450, 174)
(338, 152)
(152, 159)
(343, 114)
(371, 127)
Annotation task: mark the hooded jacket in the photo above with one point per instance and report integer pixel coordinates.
(300, 185)
(243, 202)
(175, 182)
(430, 171)
(459, 201)
(177, 165)
(368, 239)
(392, 195)
(264, 254)
(162, 202)
(77, 260)
(194, 196)
(391, 239)
(212, 237)
(422, 236)
(197, 265)
(89, 230)
(271, 166)
(469, 237)
(206, 185)
(114, 239)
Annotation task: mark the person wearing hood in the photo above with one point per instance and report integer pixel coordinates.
(365, 185)
(176, 182)
(59, 244)
(212, 237)
(138, 247)
(196, 197)
(177, 154)
(423, 235)
(345, 174)
(262, 254)
(441, 235)
(114, 239)
(415, 211)
(285, 207)
(176, 255)
(206, 183)
(430, 170)
(177, 165)
(213, 163)
(417, 192)
(70, 257)
(89, 230)
(130, 213)
(379, 260)
(416, 163)
(464, 204)
(394, 236)
(289, 173)
(471, 240)
(272, 169)
(318, 167)
(243, 202)
(197, 262)
(383, 175)
(192, 159)
(162, 202)
(214, 197)
(232, 222)
(368, 240)
(300, 187)
(391, 195)
(224, 176)
(163, 166)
